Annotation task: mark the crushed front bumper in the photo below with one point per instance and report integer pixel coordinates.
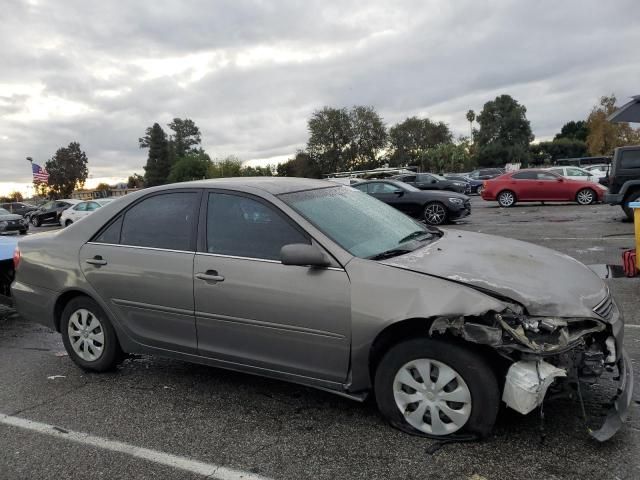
(618, 412)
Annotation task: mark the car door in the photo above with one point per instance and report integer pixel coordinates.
(76, 212)
(551, 187)
(391, 194)
(523, 185)
(251, 309)
(141, 265)
(427, 182)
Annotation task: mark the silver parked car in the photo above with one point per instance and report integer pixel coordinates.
(323, 285)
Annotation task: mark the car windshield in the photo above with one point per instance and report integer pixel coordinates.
(359, 223)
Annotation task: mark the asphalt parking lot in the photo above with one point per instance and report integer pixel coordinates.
(230, 425)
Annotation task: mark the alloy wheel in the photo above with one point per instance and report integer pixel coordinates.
(86, 335)
(435, 213)
(506, 199)
(585, 197)
(432, 396)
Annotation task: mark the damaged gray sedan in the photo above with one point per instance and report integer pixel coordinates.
(325, 286)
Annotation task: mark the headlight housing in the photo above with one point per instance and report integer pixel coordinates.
(456, 201)
(3, 223)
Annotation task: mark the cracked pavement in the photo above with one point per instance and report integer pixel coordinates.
(284, 431)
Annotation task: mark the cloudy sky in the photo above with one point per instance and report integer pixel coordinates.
(251, 72)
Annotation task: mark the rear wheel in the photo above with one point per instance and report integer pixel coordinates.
(67, 223)
(633, 197)
(35, 221)
(479, 189)
(586, 196)
(88, 336)
(506, 199)
(437, 388)
(435, 213)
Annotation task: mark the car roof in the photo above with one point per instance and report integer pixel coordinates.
(272, 185)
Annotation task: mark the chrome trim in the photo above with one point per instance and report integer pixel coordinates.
(264, 260)
(139, 247)
(260, 323)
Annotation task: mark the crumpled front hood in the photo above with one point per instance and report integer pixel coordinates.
(544, 281)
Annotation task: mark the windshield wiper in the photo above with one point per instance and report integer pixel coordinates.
(415, 235)
(394, 252)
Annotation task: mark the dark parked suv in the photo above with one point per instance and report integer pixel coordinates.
(18, 208)
(624, 178)
(486, 173)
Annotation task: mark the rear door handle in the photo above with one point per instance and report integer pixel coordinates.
(97, 261)
(210, 276)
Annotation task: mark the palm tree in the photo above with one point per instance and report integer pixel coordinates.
(471, 116)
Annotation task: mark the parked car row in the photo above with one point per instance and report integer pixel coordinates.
(12, 223)
(81, 210)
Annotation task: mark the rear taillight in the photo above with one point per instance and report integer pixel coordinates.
(16, 258)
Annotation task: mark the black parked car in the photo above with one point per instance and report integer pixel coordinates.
(624, 178)
(19, 208)
(486, 173)
(475, 186)
(429, 181)
(434, 207)
(12, 223)
(50, 212)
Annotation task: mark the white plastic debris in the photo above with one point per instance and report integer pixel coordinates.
(526, 385)
(53, 377)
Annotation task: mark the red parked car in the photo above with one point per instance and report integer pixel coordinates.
(532, 185)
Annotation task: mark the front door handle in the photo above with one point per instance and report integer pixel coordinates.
(97, 261)
(210, 276)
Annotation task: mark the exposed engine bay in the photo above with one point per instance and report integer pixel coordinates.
(546, 351)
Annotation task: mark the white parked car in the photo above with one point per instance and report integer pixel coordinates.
(81, 210)
(575, 173)
(599, 171)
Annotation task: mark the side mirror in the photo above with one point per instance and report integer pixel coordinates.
(561, 179)
(303, 254)
(432, 181)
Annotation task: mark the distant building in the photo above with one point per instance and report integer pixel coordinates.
(119, 190)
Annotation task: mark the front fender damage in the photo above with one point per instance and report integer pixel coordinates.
(548, 353)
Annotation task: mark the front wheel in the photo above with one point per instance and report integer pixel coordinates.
(506, 199)
(435, 213)
(586, 196)
(437, 388)
(88, 336)
(35, 221)
(67, 223)
(479, 189)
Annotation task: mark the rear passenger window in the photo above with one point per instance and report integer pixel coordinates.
(243, 227)
(111, 234)
(630, 159)
(162, 221)
(525, 176)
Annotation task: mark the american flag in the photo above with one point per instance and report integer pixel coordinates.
(40, 175)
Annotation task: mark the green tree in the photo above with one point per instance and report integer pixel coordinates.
(135, 181)
(548, 152)
(368, 138)
(193, 166)
(471, 116)
(447, 157)
(16, 196)
(185, 139)
(230, 166)
(411, 138)
(504, 134)
(330, 138)
(103, 187)
(604, 136)
(67, 170)
(158, 166)
(573, 131)
(302, 165)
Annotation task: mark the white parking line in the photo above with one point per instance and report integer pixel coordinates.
(182, 463)
(632, 326)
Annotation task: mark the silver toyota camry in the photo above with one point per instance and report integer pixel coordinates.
(322, 285)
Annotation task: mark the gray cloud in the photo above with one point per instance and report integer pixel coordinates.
(251, 72)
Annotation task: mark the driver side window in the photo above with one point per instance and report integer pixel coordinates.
(382, 188)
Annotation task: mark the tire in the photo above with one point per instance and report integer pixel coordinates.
(103, 352)
(506, 199)
(473, 385)
(586, 196)
(23, 232)
(435, 213)
(479, 189)
(35, 221)
(67, 223)
(632, 197)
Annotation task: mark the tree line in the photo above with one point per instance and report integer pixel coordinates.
(357, 138)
